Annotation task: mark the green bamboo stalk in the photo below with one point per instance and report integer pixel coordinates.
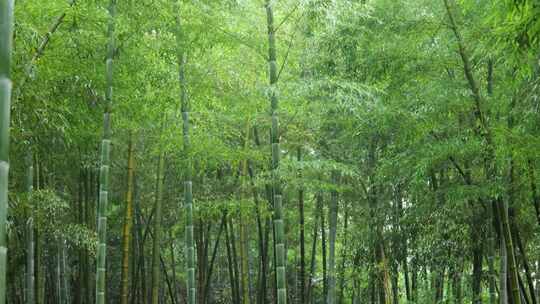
(128, 222)
(503, 274)
(188, 195)
(65, 273)
(332, 222)
(6, 40)
(59, 287)
(30, 278)
(281, 253)
(320, 207)
(244, 258)
(156, 270)
(301, 220)
(39, 288)
(105, 164)
(491, 267)
(61, 272)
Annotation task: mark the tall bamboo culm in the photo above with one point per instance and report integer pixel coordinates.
(156, 242)
(105, 164)
(128, 222)
(30, 277)
(244, 238)
(281, 254)
(6, 37)
(188, 195)
(332, 223)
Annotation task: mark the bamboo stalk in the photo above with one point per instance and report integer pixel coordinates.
(6, 40)
(61, 272)
(30, 278)
(105, 164)
(279, 239)
(65, 273)
(302, 275)
(188, 195)
(156, 271)
(332, 222)
(128, 223)
(244, 264)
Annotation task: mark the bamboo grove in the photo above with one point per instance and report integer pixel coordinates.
(269, 151)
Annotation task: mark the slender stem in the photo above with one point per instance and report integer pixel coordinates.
(128, 222)
(6, 40)
(188, 195)
(244, 264)
(30, 277)
(105, 165)
(279, 229)
(302, 276)
(332, 223)
(213, 259)
(156, 271)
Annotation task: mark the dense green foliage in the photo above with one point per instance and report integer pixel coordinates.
(306, 151)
